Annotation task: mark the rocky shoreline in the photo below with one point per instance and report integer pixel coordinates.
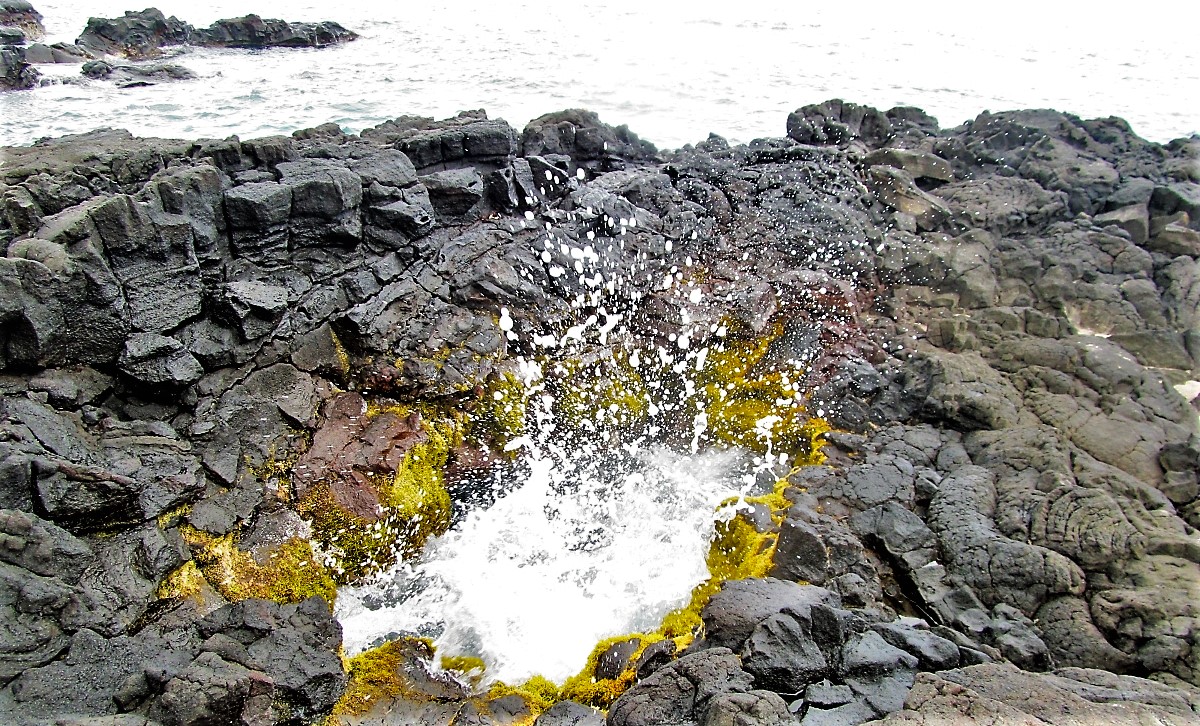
(236, 375)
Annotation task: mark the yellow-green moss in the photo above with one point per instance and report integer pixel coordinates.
(755, 406)
(502, 407)
(351, 545)
(183, 583)
(738, 551)
(462, 663)
(286, 573)
(586, 688)
(173, 516)
(416, 505)
(606, 393)
(339, 351)
(375, 675)
(538, 692)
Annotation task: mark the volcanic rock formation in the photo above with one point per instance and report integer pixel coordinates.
(223, 363)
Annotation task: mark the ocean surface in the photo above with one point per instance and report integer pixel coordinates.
(673, 72)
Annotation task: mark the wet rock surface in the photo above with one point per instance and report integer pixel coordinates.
(16, 72)
(126, 75)
(997, 318)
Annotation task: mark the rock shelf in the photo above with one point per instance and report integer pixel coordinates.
(997, 321)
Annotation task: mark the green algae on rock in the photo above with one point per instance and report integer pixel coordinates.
(383, 495)
(754, 402)
(286, 573)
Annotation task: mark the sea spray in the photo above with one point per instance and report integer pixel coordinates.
(602, 522)
(579, 552)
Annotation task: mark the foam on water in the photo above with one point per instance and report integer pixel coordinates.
(583, 548)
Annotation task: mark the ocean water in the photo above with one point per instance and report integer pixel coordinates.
(672, 72)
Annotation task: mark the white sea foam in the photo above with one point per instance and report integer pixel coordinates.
(1189, 390)
(585, 547)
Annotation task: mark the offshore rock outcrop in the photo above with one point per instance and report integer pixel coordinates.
(21, 15)
(998, 319)
(144, 34)
(141, 36)
(16, 73)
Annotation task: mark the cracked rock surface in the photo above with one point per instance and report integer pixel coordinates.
(998, 320)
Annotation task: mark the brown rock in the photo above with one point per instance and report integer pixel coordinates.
(350, 448)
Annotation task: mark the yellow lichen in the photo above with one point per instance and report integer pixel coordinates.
(339, 351)
(737, 551)
(277, 466)
(286, 573)
(183, 583)
(538, 692)
(173, 516)
(352, 546)
(756, 405)
(585, 687)
(464, 664)
(500, 418)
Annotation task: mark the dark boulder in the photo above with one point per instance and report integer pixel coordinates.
(868, 654)
(56, 53)
(582, 136)
(570, 713)
(135, 35)
(933, 653)
(782, 655)
(258, 214)
(800, 553)
(454, 194)
(680, 693)
(158, 360)
(125, 75)
(918, 164)
(251, 31)
(140, 35)
(21, 14)
(838, 122)
(253, 307)
(15, 72)
(325, 203)
(469, 138)
(733, 613)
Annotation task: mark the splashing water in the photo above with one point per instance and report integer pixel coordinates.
(596, 529)
(570, 557)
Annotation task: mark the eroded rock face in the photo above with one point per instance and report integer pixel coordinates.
(1003, 694)
(994, 316)
(251, 31)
